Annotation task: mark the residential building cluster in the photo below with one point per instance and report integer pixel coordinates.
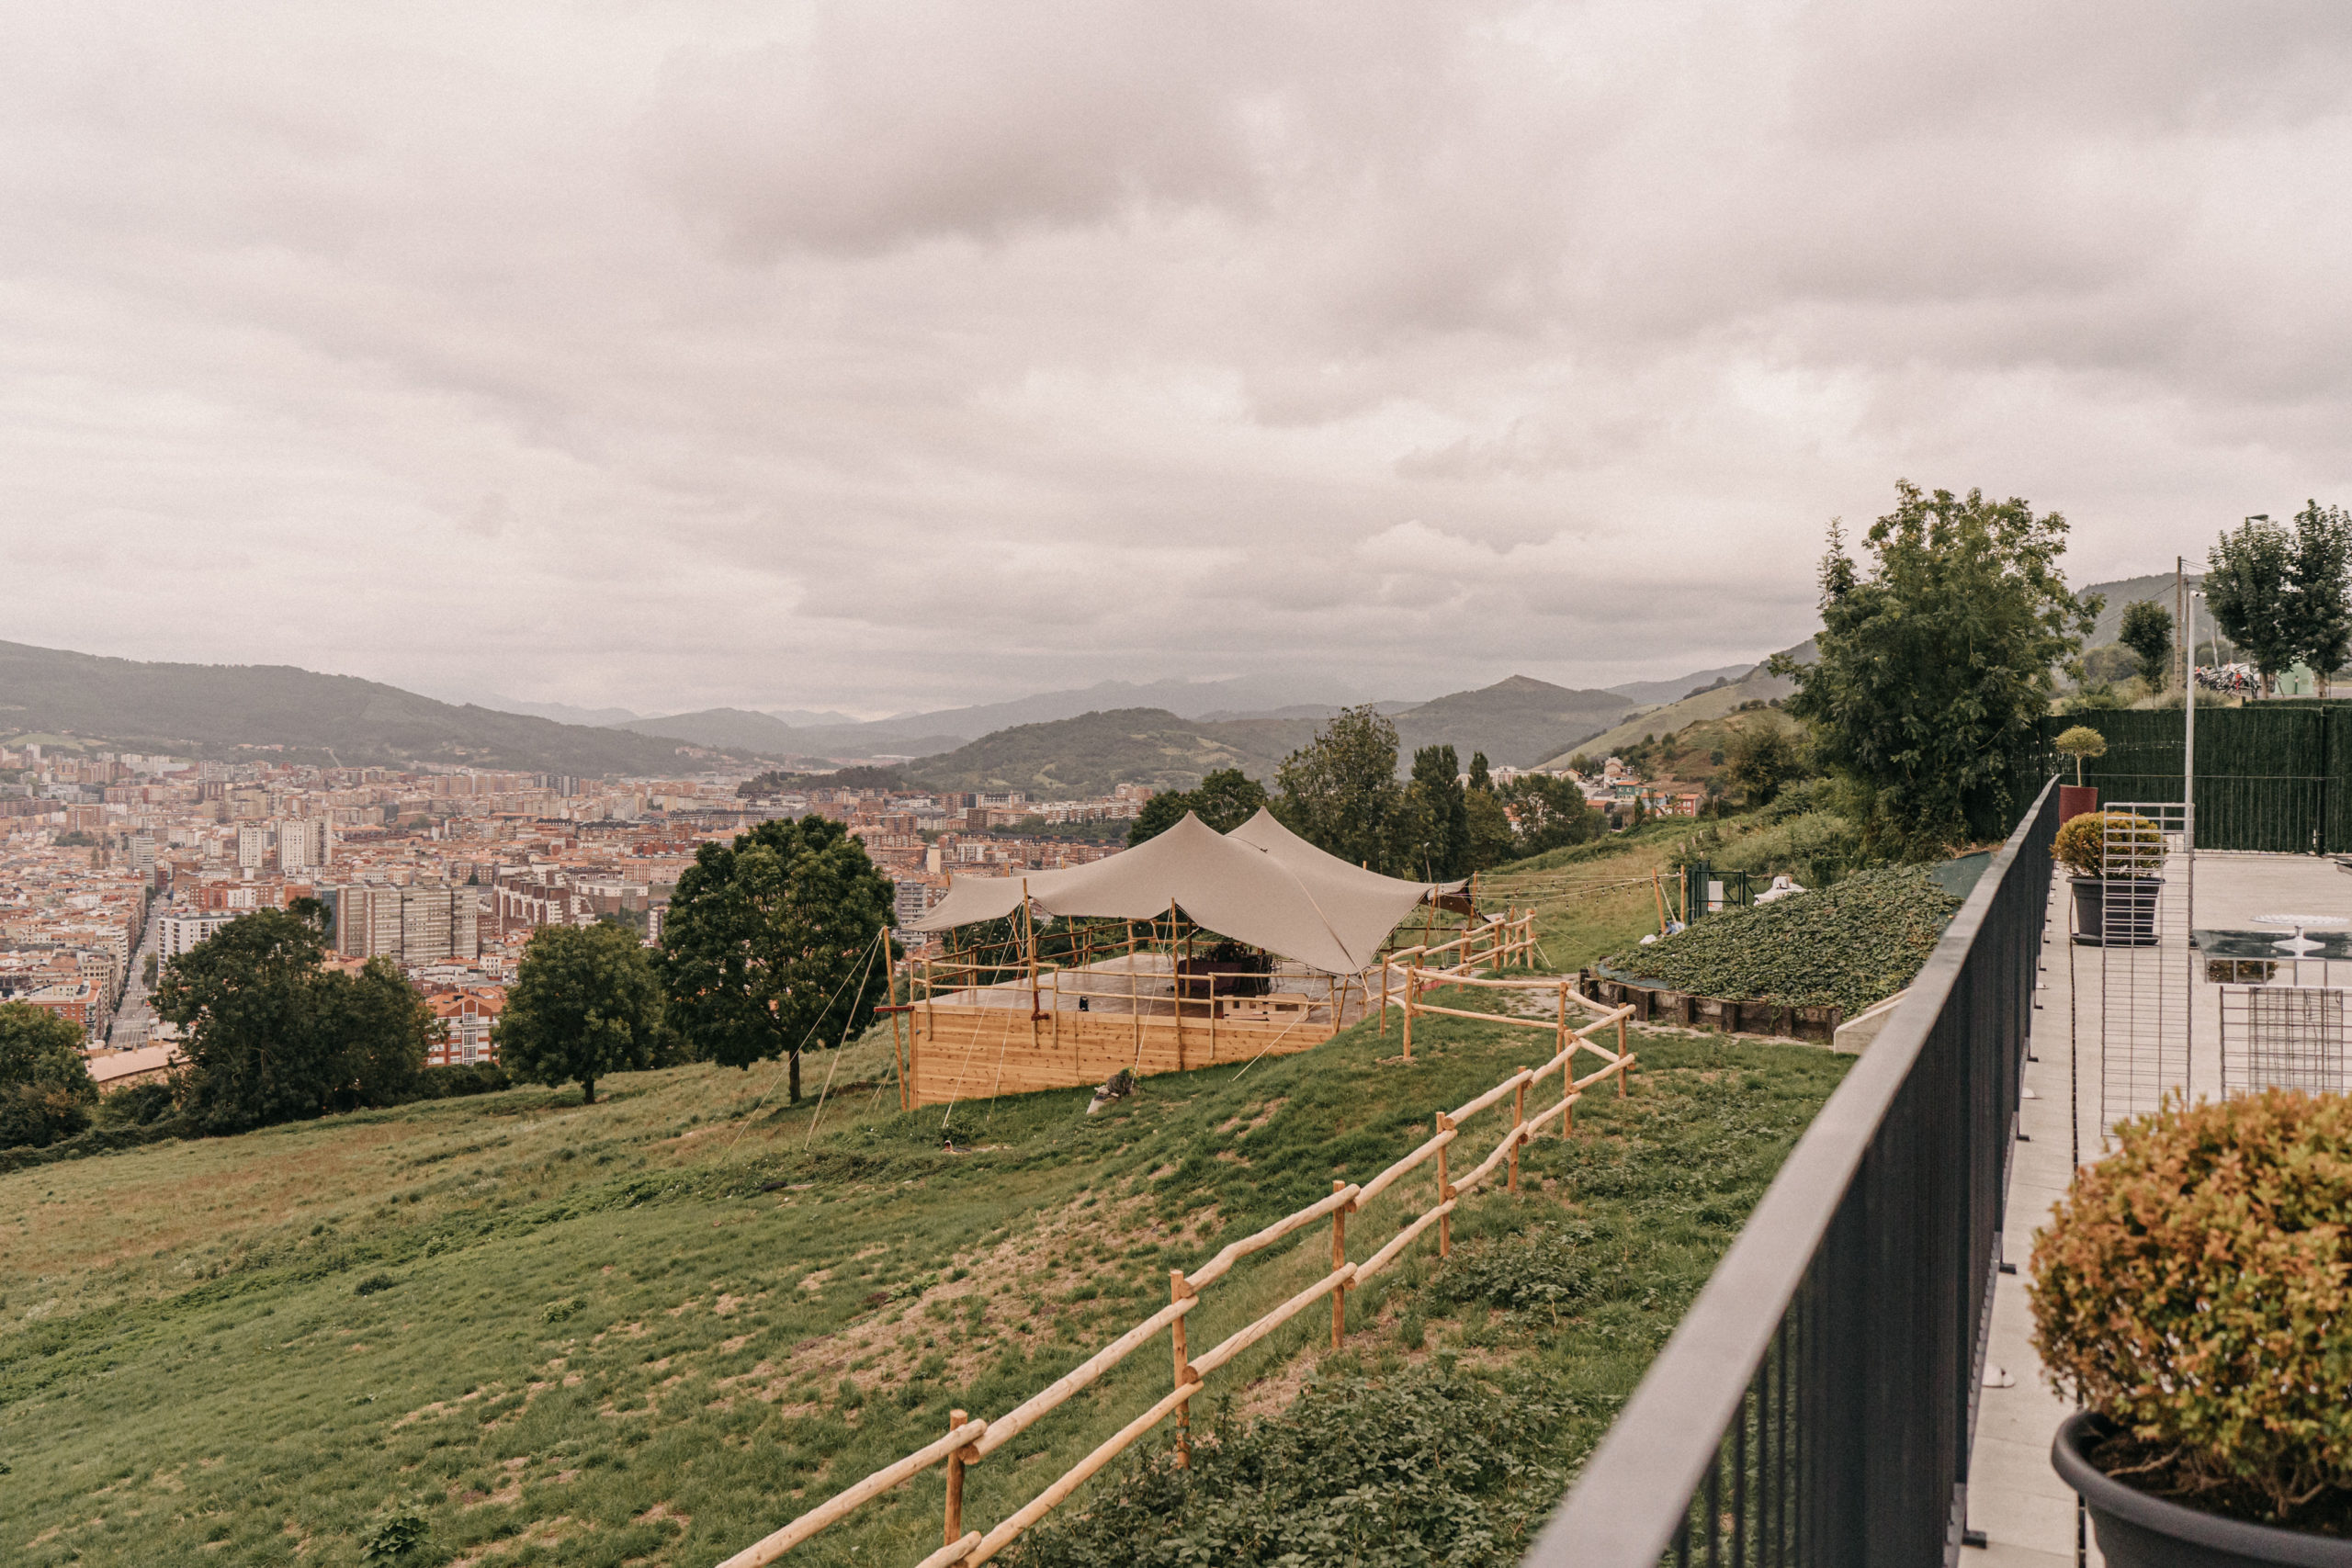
(110, 859)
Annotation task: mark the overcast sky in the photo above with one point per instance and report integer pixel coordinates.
(885, 355)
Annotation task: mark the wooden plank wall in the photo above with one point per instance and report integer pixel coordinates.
(974, 1052)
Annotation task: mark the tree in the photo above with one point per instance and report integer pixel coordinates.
(1551, 813)
(2320, 574)
(1223, 800)
(1936, 662)
(2249, 587)
(1434, 824)
(1491, 842)
(46, 1092)
(2081, 742)
(1482, 778)
(2147, 632)
(272, 1036)
(1339, 791)
(585, 1003)
(770, 944)
(1760, 760)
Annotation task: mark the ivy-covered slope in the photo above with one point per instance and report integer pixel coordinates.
(1849, 945)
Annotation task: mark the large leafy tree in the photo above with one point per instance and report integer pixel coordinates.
(1760, 761)
(1936, 658)
(2321, 595)
(1433, 826)
(586, 1003)
(767, 940)
(1488, 824)
(1340, 792)
(2147, 632)
(46, 1092)
(1551, 813)
(1223, 800)
(2249, 586)
(272, 1036)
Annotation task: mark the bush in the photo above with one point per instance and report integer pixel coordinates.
(137, 1105)
(2195, 1289)
(1539, 1269)
(1430, 1466)
(2109, 843)
(1817, 847)
(453, 1082)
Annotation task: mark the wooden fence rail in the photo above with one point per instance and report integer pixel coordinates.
(967, 1442)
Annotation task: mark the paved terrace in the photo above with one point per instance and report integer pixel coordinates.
(2026, 1513)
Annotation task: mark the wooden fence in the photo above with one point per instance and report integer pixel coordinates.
(968, 1441)
(972, 1029)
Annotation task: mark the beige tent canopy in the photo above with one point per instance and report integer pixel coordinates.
(1262, 884)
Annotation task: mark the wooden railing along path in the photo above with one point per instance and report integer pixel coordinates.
(967, 1442)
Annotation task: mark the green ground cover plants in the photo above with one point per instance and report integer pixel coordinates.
(512, 1330)
(1849, 945)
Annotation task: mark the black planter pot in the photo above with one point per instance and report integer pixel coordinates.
(2115, 911)
(2136, 1531)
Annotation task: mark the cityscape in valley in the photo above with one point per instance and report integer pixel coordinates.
(887, 783)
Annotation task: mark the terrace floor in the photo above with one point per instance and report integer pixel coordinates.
(2112, 1032)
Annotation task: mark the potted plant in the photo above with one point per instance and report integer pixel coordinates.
(2194, 1293)
(2083, 744)
(2114, 856)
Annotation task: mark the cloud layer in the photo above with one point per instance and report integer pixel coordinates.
(885, 355)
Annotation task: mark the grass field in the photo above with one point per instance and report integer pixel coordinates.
(651, 1330)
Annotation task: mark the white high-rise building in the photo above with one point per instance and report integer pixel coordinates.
(303, 844)
(253, 845)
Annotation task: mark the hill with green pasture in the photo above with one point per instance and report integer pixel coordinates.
(654, 1329)
(229, 710)
(1073, 758)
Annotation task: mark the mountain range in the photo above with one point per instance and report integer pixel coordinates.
(226, 710)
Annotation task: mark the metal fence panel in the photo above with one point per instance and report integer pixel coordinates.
(1816, 1403)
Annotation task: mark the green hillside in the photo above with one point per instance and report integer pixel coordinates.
(1702, 708)
(1516, 722)
(2126, 591)
(214, 709)
(651, 1330)
(764, 736)
(1088, 755)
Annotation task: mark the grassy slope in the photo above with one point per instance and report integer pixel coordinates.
(651, 1329)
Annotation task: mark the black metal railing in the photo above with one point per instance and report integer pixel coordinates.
(1816, 1404)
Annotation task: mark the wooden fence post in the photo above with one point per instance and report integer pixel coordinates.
(1444, 1191)
(1517, 1120)
(1383, 995)
(1339, 1261)
(1177, 1291)
(955, 1418)
(1412, 986)
(1621, 1058)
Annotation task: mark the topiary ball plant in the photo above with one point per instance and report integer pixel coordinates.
(2109, 843)
(2081, 742)
(2195, 1289)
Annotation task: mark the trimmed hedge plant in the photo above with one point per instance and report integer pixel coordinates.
(2109, 843)
(2196, 1289)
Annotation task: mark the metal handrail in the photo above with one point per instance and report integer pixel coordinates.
(1637, 1491)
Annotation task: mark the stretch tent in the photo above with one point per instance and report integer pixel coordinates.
(1262, 884)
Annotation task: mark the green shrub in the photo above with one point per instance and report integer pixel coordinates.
(393, 1539)
(1817, 847)
(1539, 1269)
(1430, 1466)
(2196, 1289)
(2109, 843)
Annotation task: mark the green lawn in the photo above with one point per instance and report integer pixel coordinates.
(652, 1329)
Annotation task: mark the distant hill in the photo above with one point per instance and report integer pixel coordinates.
(562, 713)
(214, 709)
(1696, 709)
(763, 735)
(1516, 722)
(1643, 693)
(2125, 591)
(1091, 753)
